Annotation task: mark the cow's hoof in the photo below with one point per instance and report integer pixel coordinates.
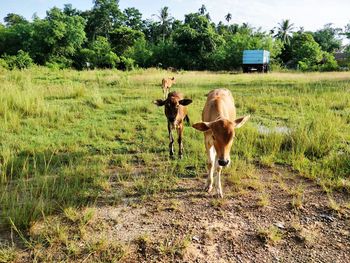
(208, 189)
(180, 156)
(219, 195)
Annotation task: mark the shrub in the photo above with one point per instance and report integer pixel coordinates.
(330, 64)
(99, 54)
(126, 63)
(59, 63)
(21, 60)
(3, 63)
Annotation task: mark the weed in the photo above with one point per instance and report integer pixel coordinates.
(264, 199)
(7, 253)
(271, 235)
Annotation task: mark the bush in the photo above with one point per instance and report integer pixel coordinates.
(59, 63)
(330, 64)
(303, 66)
(3, 63)
(141, 53)
(126, 63)
(21, 60)
(98, 55)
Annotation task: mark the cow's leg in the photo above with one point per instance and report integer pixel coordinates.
(218, 181)
(180, 129)
(171, 139)
(211, 165)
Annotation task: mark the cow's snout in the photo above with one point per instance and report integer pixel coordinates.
(223, 162)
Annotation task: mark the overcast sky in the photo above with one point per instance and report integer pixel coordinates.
(311, 14)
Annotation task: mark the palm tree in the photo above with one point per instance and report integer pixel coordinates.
(228, 17)
(284, 30)
(165, 20)
(202, 10)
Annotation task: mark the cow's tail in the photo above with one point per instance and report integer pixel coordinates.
(187, 119)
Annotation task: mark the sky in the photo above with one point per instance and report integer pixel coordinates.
(311, 14)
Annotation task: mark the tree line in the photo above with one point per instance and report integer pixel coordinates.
(108, 37)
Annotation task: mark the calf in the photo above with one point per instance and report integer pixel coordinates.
(176, 113)
(219, 124)
(166, 85)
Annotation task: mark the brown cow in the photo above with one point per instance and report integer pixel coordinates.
(219, 124)
(176, 113)
(166, 85)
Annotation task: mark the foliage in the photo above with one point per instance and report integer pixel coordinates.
(284, 31)
(124, 37)
(21, 60)
(133, 18)
(141, 53)
(305, 52)
(196, 40)
(100, 54)
(329, 63)
(71, 38)
(103, 18)
(328, 38)
(164, 24)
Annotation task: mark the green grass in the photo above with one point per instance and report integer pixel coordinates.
(69, 138)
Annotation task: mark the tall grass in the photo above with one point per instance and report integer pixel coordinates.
(68, 138)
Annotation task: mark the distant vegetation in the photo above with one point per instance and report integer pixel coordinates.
(108, 37)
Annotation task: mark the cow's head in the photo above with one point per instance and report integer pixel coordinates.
(172, 105)
(222, 133)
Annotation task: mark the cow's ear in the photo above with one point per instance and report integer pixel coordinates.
(201, 126)
(159, 102)
(185, 102)
(241, 121)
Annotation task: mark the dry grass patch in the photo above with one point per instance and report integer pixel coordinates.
(271, 235)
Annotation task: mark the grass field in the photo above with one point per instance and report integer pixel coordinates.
(69, 139)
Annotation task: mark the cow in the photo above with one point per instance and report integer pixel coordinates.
(166, 85)
(175, 112)
(219, 124)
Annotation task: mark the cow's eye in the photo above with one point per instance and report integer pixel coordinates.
(213, 137)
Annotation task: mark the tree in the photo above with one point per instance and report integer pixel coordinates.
(100, 54)
(133, 18)
(202, 10)
(284, 31)
(12, 19)
(196, 39)
(124, 37)
(103, 18)
(228, 17)
(165, 20)
(56, 36)
(70, 11)
(328, 38)
(306, 53)
(16, 37)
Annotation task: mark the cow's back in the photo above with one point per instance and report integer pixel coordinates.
(219, 104)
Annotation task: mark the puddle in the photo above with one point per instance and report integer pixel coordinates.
(262, 129)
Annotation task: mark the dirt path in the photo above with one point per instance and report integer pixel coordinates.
(284, 219)
(277, 216)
